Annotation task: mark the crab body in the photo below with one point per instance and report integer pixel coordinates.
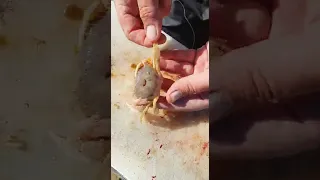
(147, 86)
(148, 80)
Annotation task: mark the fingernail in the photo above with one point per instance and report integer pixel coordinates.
(151, 32)
(175, 95)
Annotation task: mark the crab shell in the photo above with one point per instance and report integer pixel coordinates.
(147, 85)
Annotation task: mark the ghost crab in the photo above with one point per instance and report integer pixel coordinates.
(148, 80)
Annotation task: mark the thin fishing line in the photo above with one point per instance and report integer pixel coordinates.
(185, 16)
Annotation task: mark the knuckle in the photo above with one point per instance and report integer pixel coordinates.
(127, 34)
(129, 37)
(189, 87)
(147, 12)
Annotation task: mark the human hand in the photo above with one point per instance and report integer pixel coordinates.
(257, 65)
(141, 20)
(283, 69)
(190, 93)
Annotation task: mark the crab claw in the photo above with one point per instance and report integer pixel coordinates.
(144, 112)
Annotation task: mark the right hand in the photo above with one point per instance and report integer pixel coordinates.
(141, 20)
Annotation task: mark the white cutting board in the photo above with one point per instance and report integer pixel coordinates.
(184, 154)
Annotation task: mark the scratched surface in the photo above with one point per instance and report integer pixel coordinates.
(176, 148)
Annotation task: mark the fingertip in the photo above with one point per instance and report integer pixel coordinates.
(188, 85)
(151, 33)
(175, 92)
(168, 98)
(148, 43)
(159, 39)
(139, 36)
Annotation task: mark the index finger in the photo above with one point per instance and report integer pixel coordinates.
(150, 16)
(139, 37)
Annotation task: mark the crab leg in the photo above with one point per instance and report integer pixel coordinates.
(156, 58)
(144, 112)
(138, 67)
(154, 104)
(156, 66)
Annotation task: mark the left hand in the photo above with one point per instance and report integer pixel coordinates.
(190, 93)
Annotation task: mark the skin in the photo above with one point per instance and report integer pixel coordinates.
(245, 23)
(251, 29)
(277, 119)
(282, 25)
(136, 15)
(193, 67)
(265, 128)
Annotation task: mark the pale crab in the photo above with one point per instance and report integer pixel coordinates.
(148, 81)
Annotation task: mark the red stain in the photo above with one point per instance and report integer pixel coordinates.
(204, 147)
(160, 146)
(148, 152)
(153, 177)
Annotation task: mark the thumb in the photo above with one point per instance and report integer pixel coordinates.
(187, 86)
(149, 14)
